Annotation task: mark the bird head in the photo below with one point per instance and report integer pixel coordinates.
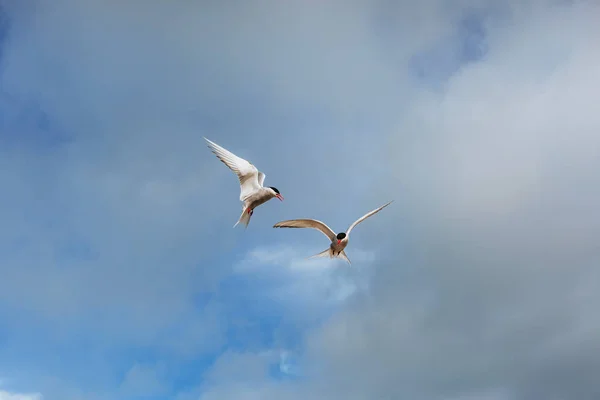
(277, 194)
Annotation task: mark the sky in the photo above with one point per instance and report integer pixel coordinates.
(121, 275)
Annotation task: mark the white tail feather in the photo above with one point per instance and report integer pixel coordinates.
(344, 256)
(329, 253)
(324, 253)
(244, 218)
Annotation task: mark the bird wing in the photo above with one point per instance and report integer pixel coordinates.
(261, 178)
(250, 178)
(367, 215)
(307, 223)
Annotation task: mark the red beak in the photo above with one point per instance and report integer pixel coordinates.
(339, 241)
(280, 197)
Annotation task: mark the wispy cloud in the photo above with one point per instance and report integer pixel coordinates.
(144, 381)
(295, 279)
(19, 396)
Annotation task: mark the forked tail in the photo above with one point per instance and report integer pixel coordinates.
(344, 256)
(244, 218)
(329, 253)
(324, 253)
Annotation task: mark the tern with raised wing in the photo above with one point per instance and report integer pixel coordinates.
(252, 191)
(338, 242)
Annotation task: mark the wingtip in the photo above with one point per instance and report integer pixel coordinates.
(211, 145)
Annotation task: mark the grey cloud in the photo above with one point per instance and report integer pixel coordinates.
(499, 189)
(488, 286)
(134, 89)
(129, 90)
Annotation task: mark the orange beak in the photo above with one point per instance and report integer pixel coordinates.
(280, 197)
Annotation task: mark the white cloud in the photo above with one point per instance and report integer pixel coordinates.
(144, 380)
(4, 395)
(301, 282)
(288, 364)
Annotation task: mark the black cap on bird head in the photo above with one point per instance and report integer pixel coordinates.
(278, 195)
(340, 236)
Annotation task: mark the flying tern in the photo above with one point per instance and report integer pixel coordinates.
(252, 191)
(338, 242)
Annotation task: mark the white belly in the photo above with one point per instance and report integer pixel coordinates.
(258, 198)
(338, 248)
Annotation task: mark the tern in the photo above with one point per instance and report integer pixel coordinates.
(252, 191)
(338, 242)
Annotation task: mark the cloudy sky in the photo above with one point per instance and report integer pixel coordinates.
(121, 276)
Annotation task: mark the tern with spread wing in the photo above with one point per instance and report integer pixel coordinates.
(338, 242)
(252, 191)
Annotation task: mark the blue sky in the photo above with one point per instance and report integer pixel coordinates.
(123, 279)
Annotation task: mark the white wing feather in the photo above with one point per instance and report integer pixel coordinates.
(261, 178)
(307, 223)
(367, 215)
(250, 178)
